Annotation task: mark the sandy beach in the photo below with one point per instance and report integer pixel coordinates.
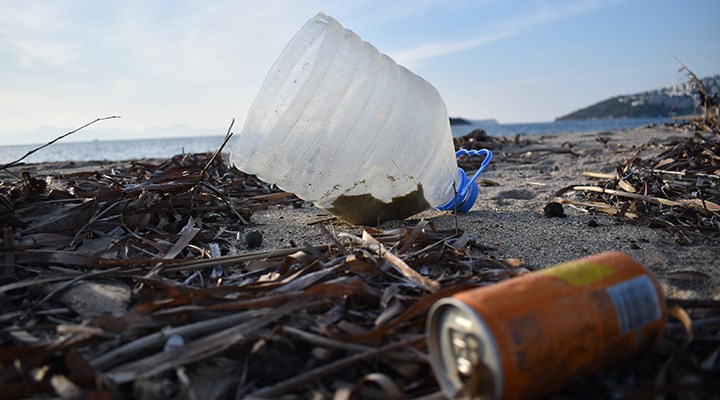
(508, 216)
(115, 259)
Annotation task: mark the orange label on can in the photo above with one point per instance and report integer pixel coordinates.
(579, 273)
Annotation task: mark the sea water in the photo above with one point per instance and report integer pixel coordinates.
(116, 150)
(542, 128)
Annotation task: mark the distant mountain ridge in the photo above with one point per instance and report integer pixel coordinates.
(676, 100)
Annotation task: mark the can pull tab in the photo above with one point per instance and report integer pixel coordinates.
(467, 189)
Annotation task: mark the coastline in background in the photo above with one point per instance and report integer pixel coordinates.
(117, 150)
(543, 128)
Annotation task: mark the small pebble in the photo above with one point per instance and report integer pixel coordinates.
(554, 209)
(593, 224)
(253, 239)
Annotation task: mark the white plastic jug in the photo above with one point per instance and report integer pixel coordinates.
(343, 126)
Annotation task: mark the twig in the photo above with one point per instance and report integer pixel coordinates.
(455, 211)
(691, 174)
(545, 149)
(16, 162)
(333, 240)
(199, 349)
(322, 221)
(598, 175)
(694, 203)
(233, 259)
(75, 280)
(228, 202)
(92, 220)
(201, 181)
(398, 264)
(144, 343)
(324, 341)
(315, 374)
(228, 135)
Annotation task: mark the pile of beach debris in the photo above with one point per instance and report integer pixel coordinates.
(142, 281)
(678, 189)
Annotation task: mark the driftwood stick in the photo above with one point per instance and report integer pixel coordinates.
(598, 175)
(694, 203)
(314, 375)
(228, 135)
(128, 350)
(16, 162)
(397, 263)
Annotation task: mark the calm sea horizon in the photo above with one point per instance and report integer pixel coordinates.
(117, 150)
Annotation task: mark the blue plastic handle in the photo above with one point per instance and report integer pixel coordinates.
(467, 189)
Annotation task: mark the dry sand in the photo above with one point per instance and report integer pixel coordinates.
(509, 217)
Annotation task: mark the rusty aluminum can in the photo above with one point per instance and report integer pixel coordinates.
(527, 336)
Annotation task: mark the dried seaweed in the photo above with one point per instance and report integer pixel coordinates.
(148, 228)
(207, 318)
(709, 118)
(679, 189)
(479, 139)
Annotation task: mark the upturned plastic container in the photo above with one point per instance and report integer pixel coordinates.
(343, 126)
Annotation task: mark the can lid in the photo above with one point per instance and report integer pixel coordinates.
(463, 352)
(467, 190)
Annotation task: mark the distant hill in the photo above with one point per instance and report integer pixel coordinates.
(459, 121)
(667, 102)
(463, 121)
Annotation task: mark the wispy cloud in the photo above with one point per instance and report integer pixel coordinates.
(202, 43)
(542, 15)
(33, 33)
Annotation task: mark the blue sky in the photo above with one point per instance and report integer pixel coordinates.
(179, 67)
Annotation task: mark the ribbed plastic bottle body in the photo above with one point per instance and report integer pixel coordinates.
(342, 125)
